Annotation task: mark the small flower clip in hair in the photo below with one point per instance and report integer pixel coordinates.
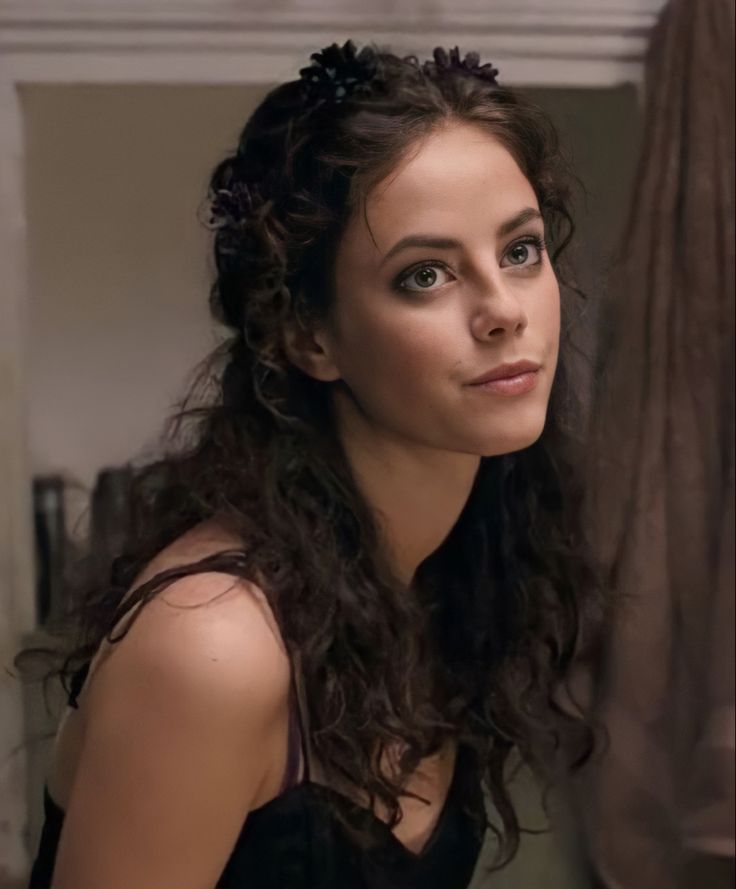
(444, 61)
(231, 204)
(337, 71)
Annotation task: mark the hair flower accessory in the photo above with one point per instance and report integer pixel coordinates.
(337, 71)
(444, 61)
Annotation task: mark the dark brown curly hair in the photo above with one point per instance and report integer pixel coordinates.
(478, 647)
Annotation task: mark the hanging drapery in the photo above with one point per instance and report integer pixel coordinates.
(660, 803)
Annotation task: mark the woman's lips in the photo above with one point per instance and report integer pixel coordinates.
(515, 385)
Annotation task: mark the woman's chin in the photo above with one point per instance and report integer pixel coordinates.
(495, 445)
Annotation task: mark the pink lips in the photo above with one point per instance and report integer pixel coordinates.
(515, 385)
(506, 370)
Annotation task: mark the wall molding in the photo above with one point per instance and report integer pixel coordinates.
(533, 43)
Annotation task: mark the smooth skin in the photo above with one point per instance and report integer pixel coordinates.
(177, 720)
(413, 431)
(185, 723)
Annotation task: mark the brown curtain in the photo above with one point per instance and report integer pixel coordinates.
(659, 804)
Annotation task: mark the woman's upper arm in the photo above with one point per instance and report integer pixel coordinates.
(178, 717)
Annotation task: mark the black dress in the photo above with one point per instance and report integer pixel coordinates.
(294, 841)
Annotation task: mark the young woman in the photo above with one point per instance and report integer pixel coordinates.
(356, 584)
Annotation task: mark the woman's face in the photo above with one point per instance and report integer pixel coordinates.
(412, 325)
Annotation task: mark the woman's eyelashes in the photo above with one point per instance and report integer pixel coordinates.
(520, 250)
(526, 253)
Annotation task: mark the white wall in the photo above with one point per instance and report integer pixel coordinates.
(119, 263)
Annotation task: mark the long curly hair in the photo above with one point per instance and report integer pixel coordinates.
(478, 648)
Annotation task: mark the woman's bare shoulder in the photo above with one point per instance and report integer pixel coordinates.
(182, 715)
(228, 614)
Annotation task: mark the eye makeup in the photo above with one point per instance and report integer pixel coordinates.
(535, 240)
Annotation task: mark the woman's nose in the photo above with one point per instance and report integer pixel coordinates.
(495, 306)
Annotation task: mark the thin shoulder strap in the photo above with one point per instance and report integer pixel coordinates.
(291, 772)
(300, 728)
(296, 732)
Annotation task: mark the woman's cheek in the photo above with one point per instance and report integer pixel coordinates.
(415, 359)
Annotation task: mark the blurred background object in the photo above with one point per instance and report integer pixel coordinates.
(50, 526)
(109, 514)
(660, 804)
(59, 545)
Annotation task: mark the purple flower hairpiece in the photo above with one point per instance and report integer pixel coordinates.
(337, 71)
(340, 71)
(230, 204)
(444, 61)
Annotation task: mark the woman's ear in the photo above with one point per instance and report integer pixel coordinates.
(308, 349)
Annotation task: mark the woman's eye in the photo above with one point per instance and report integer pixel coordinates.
(525, 253)
(424, 276)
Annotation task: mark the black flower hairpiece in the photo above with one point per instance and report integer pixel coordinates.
(230, 204)
(337, 72)
(444, 61)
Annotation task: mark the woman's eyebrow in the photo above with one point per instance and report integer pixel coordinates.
(440, 243)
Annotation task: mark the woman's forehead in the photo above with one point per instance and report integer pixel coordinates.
(460, 178)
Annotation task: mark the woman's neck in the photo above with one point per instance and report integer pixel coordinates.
(416, 493)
